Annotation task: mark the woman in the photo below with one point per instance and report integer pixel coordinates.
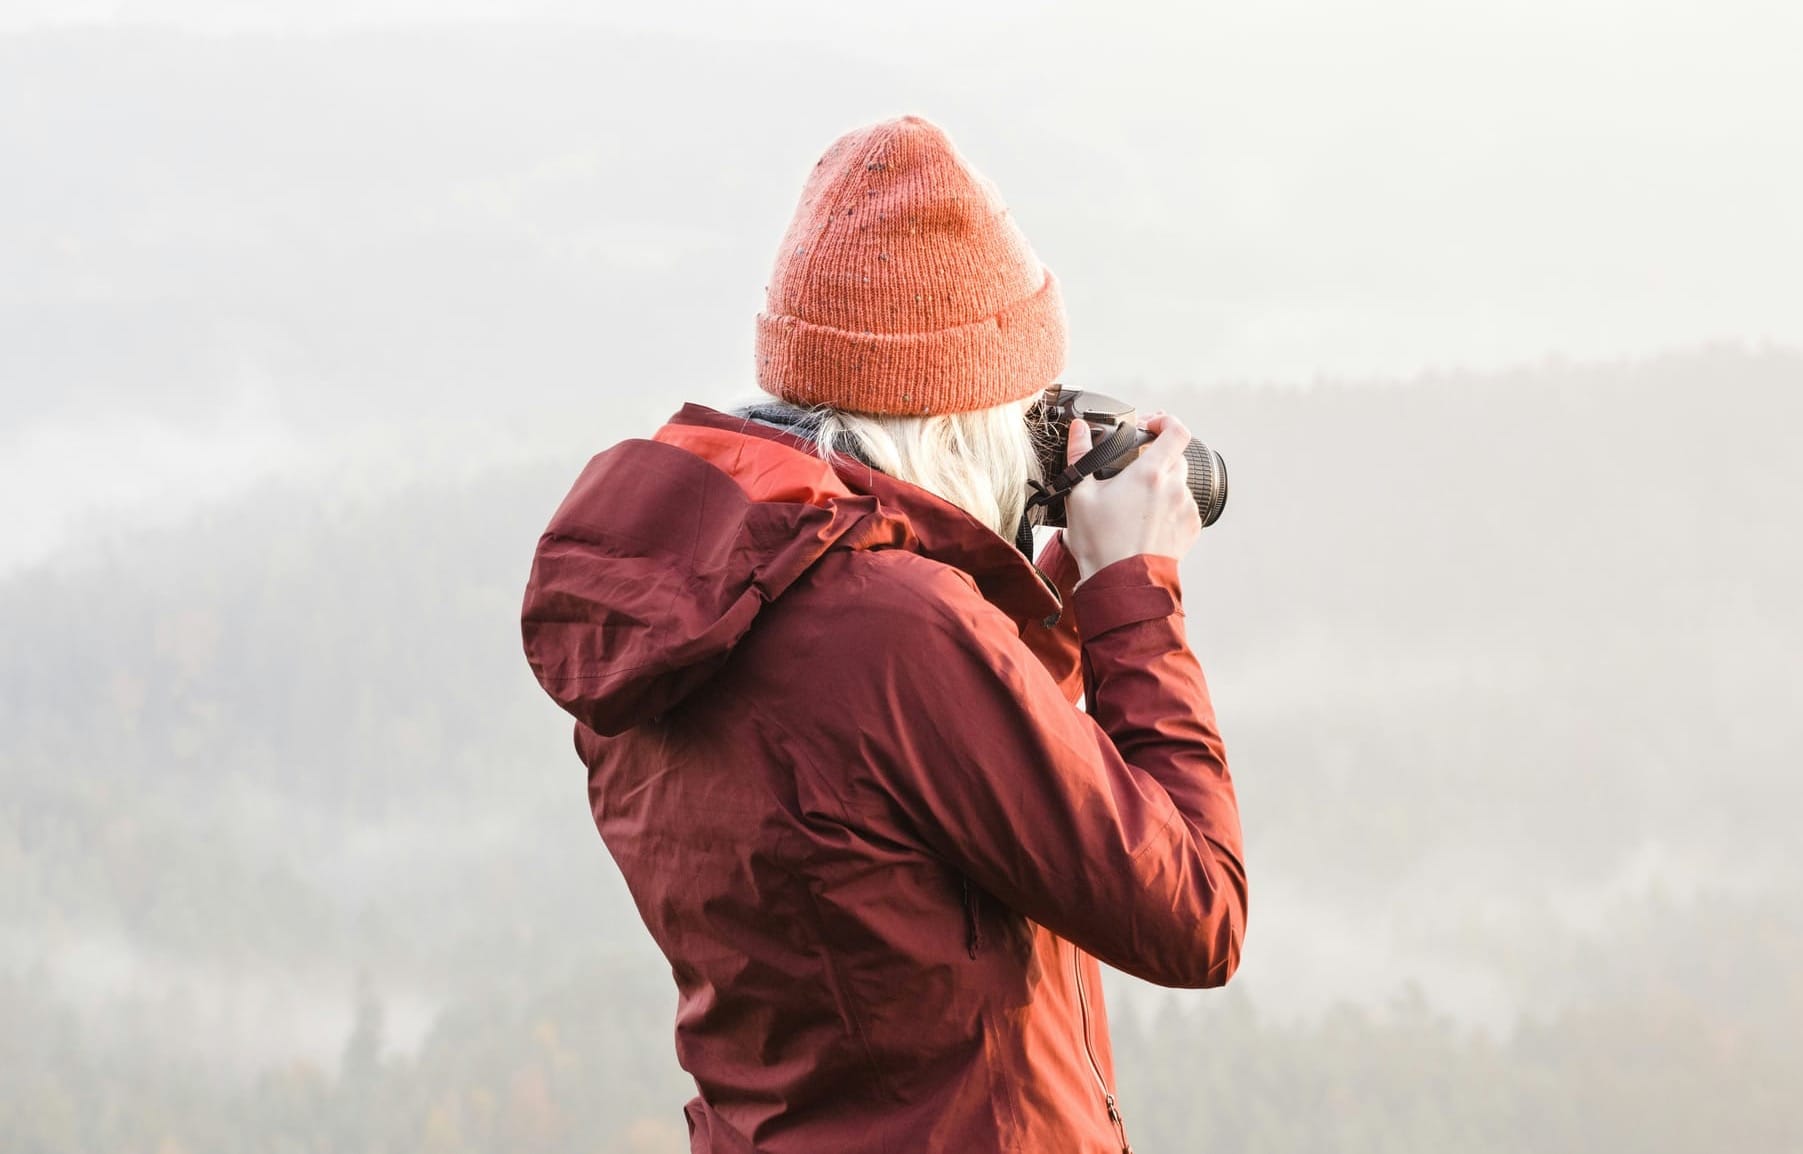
(827, 704)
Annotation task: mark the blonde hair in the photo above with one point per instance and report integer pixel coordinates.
(980, 461)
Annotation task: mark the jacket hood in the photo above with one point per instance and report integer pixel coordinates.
(664, 551)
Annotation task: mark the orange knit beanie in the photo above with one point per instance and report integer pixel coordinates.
(903, 286)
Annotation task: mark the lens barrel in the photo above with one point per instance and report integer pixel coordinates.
(1207, 480)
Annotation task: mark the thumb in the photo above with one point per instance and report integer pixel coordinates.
(1079, 442)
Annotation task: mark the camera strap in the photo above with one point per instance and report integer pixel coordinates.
(1118, 441)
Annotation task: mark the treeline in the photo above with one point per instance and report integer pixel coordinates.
(1650, 1075)
(585, 1067)
(581, 1066)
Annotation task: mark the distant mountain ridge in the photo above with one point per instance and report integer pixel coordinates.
(1591, 521)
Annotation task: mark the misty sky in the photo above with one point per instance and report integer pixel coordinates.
(1275, 192)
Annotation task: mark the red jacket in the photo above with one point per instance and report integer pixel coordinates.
(829, 725)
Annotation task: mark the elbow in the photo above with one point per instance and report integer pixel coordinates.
(1226, 959)
(1209, 954)
(1217, 951)
(1232, 934)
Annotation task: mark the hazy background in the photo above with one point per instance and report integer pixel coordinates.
(310, 314)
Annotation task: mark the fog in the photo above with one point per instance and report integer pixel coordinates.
(309, 315)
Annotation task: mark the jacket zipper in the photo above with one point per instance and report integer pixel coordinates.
(1095, 1067)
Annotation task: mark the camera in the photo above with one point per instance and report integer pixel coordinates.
(1118, 441)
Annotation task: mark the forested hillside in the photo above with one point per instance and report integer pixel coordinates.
(294, 854)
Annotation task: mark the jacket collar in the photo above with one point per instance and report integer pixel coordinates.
(936, 528)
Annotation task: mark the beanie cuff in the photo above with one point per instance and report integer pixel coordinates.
(1001, 358)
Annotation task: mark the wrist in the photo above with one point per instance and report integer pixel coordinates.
(1159, 564)
(1126, 591)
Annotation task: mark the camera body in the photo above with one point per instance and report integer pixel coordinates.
(1051, 417)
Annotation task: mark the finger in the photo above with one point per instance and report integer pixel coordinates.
(1079, 442)
(1170, 437)
(1179, 468)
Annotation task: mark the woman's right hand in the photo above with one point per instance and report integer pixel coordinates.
(1145, 508)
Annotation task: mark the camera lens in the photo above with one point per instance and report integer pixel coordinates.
(1207, 480)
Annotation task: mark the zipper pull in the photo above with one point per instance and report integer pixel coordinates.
(1051, 586)
(1114, 1115)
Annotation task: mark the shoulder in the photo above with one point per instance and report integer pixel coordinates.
(896, 591)
(898, 657)
(886, 620)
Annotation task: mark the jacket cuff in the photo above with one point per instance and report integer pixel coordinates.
(1139, 588)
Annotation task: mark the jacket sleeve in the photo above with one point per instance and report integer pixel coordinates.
(1118, 829)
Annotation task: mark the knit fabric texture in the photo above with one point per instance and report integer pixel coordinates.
(903, 285)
